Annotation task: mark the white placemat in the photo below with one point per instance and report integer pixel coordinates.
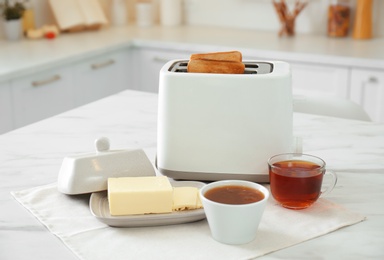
(69, 218)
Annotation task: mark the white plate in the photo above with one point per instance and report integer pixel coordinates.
(100, 209)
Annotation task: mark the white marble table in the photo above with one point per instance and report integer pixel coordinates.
(32, 155)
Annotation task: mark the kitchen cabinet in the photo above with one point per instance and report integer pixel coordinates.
(42, 95)
(102, 76)
(367, 89)
(312, 79)
(6, 120)
(148, 63)
(31, 98)
(324, 80)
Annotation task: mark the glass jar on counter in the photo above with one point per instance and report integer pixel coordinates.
(339, 13)
(28, 17)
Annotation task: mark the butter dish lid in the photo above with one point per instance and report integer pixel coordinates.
(87, 173)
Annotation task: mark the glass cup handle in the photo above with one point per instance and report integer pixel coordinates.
(332, 185)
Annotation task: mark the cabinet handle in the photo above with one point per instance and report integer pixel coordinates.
(365, 86)
(373, 80)
(100, 65)
(43, 82)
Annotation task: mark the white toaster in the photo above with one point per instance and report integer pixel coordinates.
(223, 126)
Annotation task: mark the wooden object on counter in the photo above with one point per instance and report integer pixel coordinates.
(78, 15)
(363, 20)
(287, 18)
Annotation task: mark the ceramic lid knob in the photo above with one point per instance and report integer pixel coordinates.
(102, 144)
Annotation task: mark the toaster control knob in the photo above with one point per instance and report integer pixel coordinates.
(102, 144)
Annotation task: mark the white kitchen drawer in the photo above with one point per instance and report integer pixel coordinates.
(324, 80)
(42, 95)
(311, 79)
(102, 76)
(367, 89)
(6, 118)
(147, 65)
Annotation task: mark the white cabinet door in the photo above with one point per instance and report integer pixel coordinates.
(310, 79)
(367, 89)
(42, 95)
(102, 76)
(6, 121)
(148, 63)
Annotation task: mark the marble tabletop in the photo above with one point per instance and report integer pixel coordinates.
(31, 156)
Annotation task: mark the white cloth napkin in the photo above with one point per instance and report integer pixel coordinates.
(69, 218)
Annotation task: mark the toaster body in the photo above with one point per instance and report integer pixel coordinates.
(223, 126)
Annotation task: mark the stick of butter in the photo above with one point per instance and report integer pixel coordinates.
(139, 195)
(185, 198)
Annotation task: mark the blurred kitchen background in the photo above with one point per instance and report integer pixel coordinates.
(43, 75)
(242, 14)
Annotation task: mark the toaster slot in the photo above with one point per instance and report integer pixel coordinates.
(180, 66)
(250, 67)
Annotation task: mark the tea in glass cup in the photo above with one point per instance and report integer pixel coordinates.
(296, 179)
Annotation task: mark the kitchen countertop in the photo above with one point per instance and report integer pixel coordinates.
(29, 56)
(31, 156)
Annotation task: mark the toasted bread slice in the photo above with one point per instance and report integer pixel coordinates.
(235, 56)
(213, 66)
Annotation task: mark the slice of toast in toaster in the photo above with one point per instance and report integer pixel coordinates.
(235, 56)
(213, 66)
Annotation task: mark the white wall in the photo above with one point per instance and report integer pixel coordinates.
(242, 14)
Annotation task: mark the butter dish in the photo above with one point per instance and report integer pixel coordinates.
(87, 173)
(99, 207)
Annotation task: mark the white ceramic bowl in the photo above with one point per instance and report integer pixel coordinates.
(234, 224)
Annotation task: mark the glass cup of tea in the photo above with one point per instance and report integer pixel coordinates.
(234, 209)
(296, 180)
